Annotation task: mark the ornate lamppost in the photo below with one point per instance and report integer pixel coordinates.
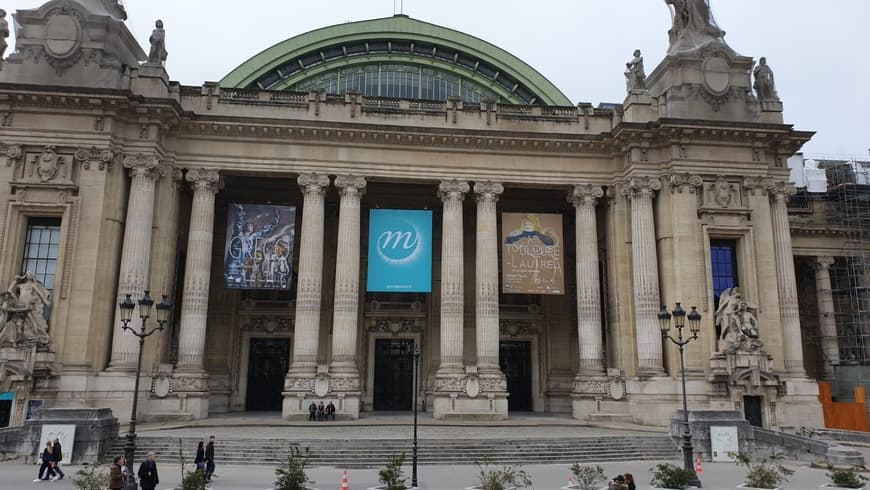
(127, 307)
(679, 315)
(416, 378)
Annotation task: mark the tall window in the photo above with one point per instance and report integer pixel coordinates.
(723, 256)
(40, 252)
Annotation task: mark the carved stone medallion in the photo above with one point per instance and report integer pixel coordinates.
(716, 74)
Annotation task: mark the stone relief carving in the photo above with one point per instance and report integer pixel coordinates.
(299, 384)
(397, 326)
(635, 76)
(103, 159)
(13, 155)
(721, 193)
(738, 323)
(693, 25)
(22, 314)
(190, 384)
(765, 86)
(517, 327)
(4, 33)
(47, 165)
(758, 184)
(157, 55)
(269, 325)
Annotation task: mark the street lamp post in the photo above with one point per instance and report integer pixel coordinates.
(127, 307)
(414, 448)
(679, 315)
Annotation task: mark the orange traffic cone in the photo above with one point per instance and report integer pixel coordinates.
(699, 470)
(570, 481)
(344, 484)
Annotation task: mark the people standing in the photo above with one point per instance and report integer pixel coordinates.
(209, 459)
(199, 461)
(57, 456)
(321, 412)
(618, 483)
(116, 474)
(629, 481)
(330, 411)
(46, 468)
(312, 411)
(148, 472)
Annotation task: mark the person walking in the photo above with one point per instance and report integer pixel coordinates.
(209, 459)
(629, 481)
(46, 469)
(57, 457)
(148, 472)
(116, 474)
(199, 461)
(618, 483)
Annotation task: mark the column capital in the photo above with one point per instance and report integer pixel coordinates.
(488, 191)
(753, 184)
(204, 179)
(351, 185)
(684, 181)
(452, 190)
(823, 262)
(585, 195)
(644, 185)
(782, 191)
(313, 183)
(147, 165)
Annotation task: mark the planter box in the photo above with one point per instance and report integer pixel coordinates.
(831, 485)
(577, 487)
(384, 487)
(478, 487)
(745, 487)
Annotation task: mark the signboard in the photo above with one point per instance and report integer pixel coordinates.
(259, 246)
(723, 443)
(33, 406)
(67, 436)
(532, 249)
(400, 251)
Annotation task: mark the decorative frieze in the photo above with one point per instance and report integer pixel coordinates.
(269, 325)
(396, 326)
(514, 328)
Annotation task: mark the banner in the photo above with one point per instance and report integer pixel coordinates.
(400, 251)
(532, 249)
(259, 247)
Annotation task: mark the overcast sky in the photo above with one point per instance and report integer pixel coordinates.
(816, 49)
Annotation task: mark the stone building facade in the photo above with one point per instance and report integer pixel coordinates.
(135, 177)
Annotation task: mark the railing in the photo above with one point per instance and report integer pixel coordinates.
(514, 110)
(381, 103)
(293, 98)
(242, 94)
(427, 106)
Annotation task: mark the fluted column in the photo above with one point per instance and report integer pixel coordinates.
(827, 321)
(197, 270)
(310, 280)
(346, 307)
(785, 278)
(486, 276)
(645, 274)
(585, 198)
(133, 275)
(452, 192)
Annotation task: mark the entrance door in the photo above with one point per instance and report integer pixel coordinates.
(267, 366)
(515, 359)
(5, 412)
(752, 410)
(394, 374)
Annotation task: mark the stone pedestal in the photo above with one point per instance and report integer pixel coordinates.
(96, 431)
(639, 107)
(150, 80)
(700, 422)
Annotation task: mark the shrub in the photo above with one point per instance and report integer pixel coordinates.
(666, 475)
(495, 478)
(193, 480)
(846, 478)
(292, 475)
(90, 478)
(391, 475)
(767, 473)
(587, 476)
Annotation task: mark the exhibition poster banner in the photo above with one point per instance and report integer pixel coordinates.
(259, 246)
(400, 251)
(532, 250)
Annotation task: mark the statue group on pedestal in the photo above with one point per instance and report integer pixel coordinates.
(22, 313)
(738, 323)
(693, 24)
(4, 33)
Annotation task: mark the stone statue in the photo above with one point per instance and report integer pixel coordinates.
(635, 76)
(25, 311)
(10, 332)
(693, 25)
(738, 323)
(4, 33)
(764, 86)
(158, 53)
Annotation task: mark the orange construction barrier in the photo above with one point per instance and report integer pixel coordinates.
(699, 470)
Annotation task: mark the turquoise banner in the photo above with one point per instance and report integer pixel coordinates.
(400, 251)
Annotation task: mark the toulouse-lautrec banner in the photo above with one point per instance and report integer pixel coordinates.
(532, 250)
(259, 247)
(400, 251)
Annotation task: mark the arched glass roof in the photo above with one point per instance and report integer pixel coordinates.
(396, 57)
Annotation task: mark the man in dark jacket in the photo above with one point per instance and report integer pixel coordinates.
(57, 457)
(209, 459)
(148, 479)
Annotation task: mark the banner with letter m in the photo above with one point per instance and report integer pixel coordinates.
(400, 251)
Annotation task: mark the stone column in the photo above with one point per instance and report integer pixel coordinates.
(486, 277)
(585, 198)
(827, 321)
(452, 192)
(197, 271)
(785, 278)
(346, 307)
(133, 275)
(310, 280)
(645, 274)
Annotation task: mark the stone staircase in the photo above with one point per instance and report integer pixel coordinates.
(374, 453)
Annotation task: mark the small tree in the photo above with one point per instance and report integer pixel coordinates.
(292, 475)
(494, 478)
(193, 480)
(587, 476)
(90, 478)
(846, 478)
(392, 475)
(767, 473)
(666, 475)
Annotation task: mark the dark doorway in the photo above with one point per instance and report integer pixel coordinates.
(394, 374)
(515, 359)
(267, 366)
(752, 410)
(5, 412)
